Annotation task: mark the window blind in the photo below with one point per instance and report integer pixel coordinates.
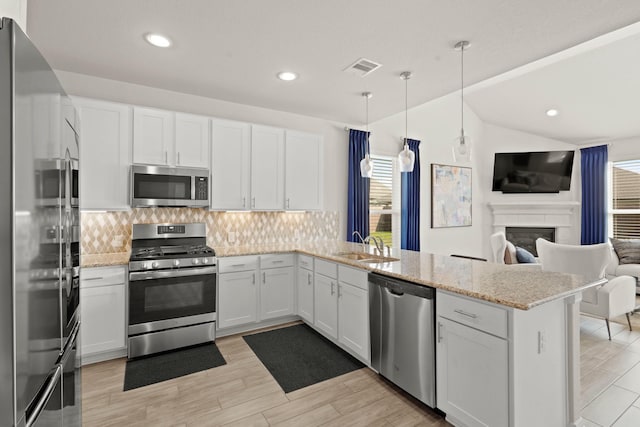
(626, 197)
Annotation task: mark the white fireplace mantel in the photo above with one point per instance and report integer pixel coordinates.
(559, 215)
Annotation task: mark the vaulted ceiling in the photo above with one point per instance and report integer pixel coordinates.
(232, 50)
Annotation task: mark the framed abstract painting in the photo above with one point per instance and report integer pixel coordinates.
(450, 196)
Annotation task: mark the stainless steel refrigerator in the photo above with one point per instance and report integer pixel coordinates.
(39, 240)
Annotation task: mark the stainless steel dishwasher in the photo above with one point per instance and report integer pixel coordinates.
(402, 335)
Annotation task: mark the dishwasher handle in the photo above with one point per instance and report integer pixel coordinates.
(400, 287)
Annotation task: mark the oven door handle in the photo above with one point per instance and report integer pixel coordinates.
(163, 274)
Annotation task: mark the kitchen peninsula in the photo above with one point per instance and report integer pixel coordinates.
(507, 339)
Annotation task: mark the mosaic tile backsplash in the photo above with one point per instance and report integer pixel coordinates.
(110, 232)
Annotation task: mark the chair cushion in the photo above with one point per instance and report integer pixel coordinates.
(628, 270)
(510, 256)
(524, 256)
(628, 250)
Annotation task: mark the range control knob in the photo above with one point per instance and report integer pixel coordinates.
(176, 263)
(195, 261)
(146, 266)
(155, 264)
(205, 260)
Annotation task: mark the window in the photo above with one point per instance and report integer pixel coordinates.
(384, 201)
(624, 209)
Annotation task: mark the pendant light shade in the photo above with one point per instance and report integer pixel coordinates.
(462, 144)
(366, 164)
(406, 157)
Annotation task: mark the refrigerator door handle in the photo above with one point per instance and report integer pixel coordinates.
(72, 340)
(43, 398)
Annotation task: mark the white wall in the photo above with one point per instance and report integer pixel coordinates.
(16, 10)
(436, 124)
(335, 138)
(624, 149)
(499, 139)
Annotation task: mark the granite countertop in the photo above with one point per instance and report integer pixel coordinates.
(104, 260)
(518, 286)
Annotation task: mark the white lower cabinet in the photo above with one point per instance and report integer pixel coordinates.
(342, 306)
(237, 291)
(102, 313)
(353, 310)
(305, 286)
(254, 289)
(326, 305)
(472, 371)
(277, 286)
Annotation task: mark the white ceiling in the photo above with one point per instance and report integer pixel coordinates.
(595, 87)
(232, 50)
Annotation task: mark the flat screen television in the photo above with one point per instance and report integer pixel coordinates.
(533, 172)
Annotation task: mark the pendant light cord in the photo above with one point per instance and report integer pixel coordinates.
(366, 96)
(462, 90)
(406, 76)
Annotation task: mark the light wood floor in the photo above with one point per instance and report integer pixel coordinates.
(243, 393)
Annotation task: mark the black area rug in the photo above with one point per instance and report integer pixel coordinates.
(298, 356)
(172, 364)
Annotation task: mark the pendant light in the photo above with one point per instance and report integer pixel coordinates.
(462, 144)
(366, 164)
(406, 157)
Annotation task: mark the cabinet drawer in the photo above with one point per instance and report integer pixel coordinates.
(237, 263)
(353, 276)
(102, 276)
(326, 268)
(276, 260)
(305, 261)
(475, 314)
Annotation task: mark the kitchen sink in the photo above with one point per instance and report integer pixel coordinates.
(365, 257)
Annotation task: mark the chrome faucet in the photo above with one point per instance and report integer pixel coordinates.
(362, 241)
(378, 242)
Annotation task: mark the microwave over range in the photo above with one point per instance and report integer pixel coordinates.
(167, 186)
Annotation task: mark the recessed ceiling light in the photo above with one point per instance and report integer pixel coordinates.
(552, 112)
(287, 76)
(157, 40)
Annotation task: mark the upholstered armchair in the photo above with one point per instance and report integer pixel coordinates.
(614, 298)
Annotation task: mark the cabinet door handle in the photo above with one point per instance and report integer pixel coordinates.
(237, 265)
(439, 331)
(253, 202)
(339, 291)
(308, 278)
(264, 277)
(288, 204)
(253, 279)
(464, 313)
(178, 160)
(277, 261)
(244, 202)
(92, 278)
(332, 291)
(166, 156)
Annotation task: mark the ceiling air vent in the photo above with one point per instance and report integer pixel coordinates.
(362, 67)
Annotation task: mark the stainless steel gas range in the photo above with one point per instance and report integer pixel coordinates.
(172, 288)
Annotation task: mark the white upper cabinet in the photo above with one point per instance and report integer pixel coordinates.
(303, 171)
(105, 154)
(192, 141)
(267, 168)
(230, 165)
(153, 136)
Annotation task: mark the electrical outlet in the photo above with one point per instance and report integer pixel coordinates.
(231, 236)
(117, 241)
